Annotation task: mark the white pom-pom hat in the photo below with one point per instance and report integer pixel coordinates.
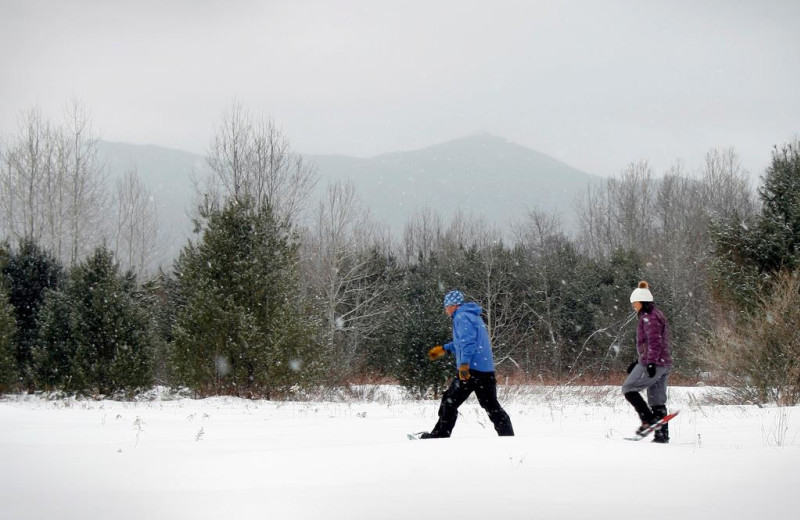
(642, 293)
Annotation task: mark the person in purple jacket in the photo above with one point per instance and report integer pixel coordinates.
(473, 352)
(650, 370)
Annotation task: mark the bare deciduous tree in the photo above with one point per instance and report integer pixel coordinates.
(539, 237)
(86, 183)
(616, 215)
(251, 158)
(26, 159)
(725, 188)
(57, 202)
(535, 231)
(53, 186)
(346, 279)
(136, 228)
(422, 235)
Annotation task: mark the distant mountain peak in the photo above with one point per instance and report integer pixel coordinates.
(479, 173)
(481, 149)
(478, 139)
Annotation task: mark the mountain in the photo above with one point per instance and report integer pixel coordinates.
(480, 175)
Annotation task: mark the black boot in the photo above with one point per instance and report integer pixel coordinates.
(661, 435)
(645, 414)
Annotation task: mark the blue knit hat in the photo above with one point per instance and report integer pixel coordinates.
(453, 298)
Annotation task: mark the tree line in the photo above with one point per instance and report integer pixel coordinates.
(55, 192)
(278, 293)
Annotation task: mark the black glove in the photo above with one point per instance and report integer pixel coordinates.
(631, 367)
(651, 369)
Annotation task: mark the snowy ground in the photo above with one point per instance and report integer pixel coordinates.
(228, 458)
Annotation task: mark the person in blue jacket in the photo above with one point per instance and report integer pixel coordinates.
(473, 356)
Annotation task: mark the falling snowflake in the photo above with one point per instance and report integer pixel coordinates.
(223, 366)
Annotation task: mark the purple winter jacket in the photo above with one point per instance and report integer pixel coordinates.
(652, 338)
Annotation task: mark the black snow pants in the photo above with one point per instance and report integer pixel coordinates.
(484, 384)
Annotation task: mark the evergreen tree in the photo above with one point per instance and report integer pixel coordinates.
(735, 276)
(30, 273)
(161, 298)
(376, 339)
(95, 333)
(419, 324)
(778, 232)
(612, 336)
(54, 353)
(242, 329)
(553, 306)
(8, 374)
(749, 253)
(561, 301)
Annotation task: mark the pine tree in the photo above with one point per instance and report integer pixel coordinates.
(735, 275)
(778, 232)
(418, 324)
(8, 373)
(750, 252)
(160, 295)
(30, 273)
(609, 284)
(55, 351)
(95, 332)
(242, 328)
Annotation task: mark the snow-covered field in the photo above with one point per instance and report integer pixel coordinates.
(226, 458)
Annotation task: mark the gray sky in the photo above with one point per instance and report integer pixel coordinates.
(596, 84)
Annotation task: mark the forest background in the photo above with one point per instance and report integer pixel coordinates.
(279, 294)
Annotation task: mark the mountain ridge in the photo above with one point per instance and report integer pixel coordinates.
(479, 174)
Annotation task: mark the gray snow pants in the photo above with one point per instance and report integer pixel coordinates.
(656, 386)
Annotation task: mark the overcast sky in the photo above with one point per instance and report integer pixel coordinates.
(596, 84)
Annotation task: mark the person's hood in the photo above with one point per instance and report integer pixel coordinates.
(471, 307)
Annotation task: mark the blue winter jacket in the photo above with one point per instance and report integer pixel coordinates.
(471, 339)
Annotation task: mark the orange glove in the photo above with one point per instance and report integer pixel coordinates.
(463, 372)
(436, 352)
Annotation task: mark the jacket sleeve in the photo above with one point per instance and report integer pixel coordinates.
(448, 347)
(653, 329)
(466, 335)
